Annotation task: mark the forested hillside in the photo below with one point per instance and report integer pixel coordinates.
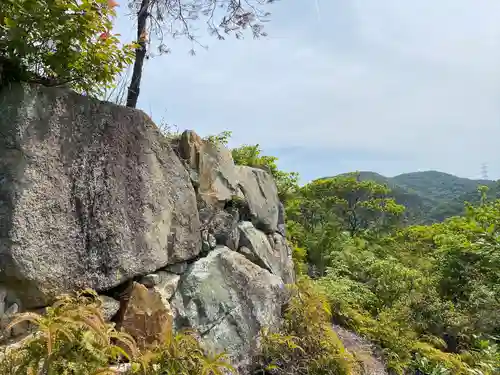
(432, 196)
(427, 295)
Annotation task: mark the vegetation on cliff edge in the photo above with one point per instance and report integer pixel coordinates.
(427, 295)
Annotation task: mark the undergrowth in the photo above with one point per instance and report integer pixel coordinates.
(72, 338)
(307, 343)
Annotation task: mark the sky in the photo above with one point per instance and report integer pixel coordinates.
(389, 86)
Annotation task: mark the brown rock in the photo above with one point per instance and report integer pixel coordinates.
(148, 316)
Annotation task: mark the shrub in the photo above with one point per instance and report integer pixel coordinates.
(72, 338)
(61, 42)
(307, 344)
(181, 353)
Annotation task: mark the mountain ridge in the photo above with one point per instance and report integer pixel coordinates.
(431, 196)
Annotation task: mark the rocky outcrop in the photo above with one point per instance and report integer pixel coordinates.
(228, 299)
(219, 184)
(268, 251)
(211, 168)
(93, 196)
(261, 194)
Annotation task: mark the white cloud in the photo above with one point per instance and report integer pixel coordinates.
(416, 80)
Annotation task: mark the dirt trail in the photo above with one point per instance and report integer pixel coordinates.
(372, 363)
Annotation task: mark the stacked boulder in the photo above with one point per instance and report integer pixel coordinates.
(170, 233)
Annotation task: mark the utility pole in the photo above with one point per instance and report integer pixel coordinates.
(484, 171)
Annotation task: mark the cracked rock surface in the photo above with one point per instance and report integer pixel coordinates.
(92, 195)
(228, 299)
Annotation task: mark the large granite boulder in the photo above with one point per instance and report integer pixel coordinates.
(267, 251)
(261, 195)
(90, 195)
(228, 300)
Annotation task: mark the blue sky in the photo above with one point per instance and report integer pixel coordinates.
(390, 86)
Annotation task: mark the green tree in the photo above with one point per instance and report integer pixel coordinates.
(359, 205)
(64, 42)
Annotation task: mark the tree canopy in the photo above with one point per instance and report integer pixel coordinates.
(427, 295)
(64, 42)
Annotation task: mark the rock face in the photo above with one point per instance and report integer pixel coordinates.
(270, 252)
(261, 194)
(93, 196)
(211, 168)
(228, 299)
(148, 316)
(90, 195)
(109, 307)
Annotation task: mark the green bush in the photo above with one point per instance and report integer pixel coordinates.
(307, 344)
(72, 338)
(425, 295)
(61, 42)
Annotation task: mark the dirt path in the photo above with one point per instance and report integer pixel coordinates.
(372, 364)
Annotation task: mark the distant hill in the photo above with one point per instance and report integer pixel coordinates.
(432, 196)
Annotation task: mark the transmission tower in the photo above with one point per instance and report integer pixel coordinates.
(484, 171)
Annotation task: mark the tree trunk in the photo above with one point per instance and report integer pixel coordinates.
(140, 55)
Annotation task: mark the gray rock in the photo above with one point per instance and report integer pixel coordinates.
(222, 225)
(109, 307)
(208, 240)
(251, 256)
(270, 252)
(228, 299)
(91, 195)
(216, 180)
(3, 302)
(369, 357)
(212, 242)
(5, 320)
(150, 280)
(216, 183)
(219, 182)
(167, 285)
(163, 282)
(281, 220)
(261, 195)
(12, 310)
(177, 268)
